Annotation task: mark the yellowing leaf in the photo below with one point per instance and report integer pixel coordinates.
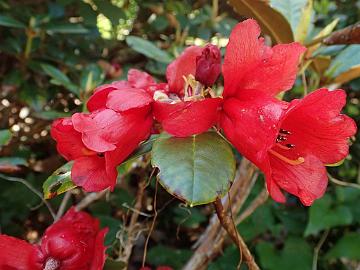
(303, 26)
(352, 73)
(271, 21)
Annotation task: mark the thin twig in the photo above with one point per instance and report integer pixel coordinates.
(229, 226)
(63, 204)
(89, 199)
(343, 183)
(259, 200)
(317, 249)
(152, 225)
(34, 190)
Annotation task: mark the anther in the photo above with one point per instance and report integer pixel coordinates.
(280, 138)
(100, 154)
(283, 131)
(289, 145)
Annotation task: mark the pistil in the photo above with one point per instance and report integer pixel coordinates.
(298, 161)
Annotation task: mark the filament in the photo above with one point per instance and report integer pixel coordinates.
(287, 160)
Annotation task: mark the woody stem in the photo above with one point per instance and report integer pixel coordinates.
(228, 224)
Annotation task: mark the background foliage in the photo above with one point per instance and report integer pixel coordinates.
(54, 53)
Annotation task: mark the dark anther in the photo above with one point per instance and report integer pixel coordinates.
(289, 145)
(280, 138)
(283, 131)
(100, 154)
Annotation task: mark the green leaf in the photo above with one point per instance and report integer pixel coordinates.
(148, 49)
(114, 265)
(13, 161)
(112, 224)
(10, 22)
(196, 169)
(112, 12)
(347, 247)
(162, 255)
(292, 11)
(188, 217)
(66, 28)
(346, 65)
(59, 182)
(91, 77)
(5, 136)
(272, 22)
(325, 214)
(295, 255)
(59, 78)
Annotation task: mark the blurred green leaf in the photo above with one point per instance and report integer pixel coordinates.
(325, 214)
(295, 255)
(66, 28)
(59, 78)
(114, 265)
(272, 21)
(10, 22)
(5, 136)
(13, 161)
(228, 261)
(206, 170)
(113, 225)
(91, 77)
(50, 115)
(188, 217)
(59, 182)
(112, 12)
(163, 255)
(148, 49)
(347, 247)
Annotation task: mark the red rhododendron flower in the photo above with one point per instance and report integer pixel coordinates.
(290, 142)
(90, 169)
(75, 242)
(185, 110)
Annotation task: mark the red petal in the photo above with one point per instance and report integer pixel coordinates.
(251, 124)
(128, 99)
(98, 99)
(139, 79)
(318, 128)
(103, 130)
(187, 118)
(307, 181)
(184, 65)
(76, 241)
(15, 254)
(250, 64)
(92, 174)
(69, 143)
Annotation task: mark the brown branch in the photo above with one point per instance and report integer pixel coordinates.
(89, 199)
(211, 242)
(348, 35)
(228, 224)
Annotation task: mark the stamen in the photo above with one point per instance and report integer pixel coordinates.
(287, 160)
(280, 138)
(282, 146)
(290, 145)
(283, 131)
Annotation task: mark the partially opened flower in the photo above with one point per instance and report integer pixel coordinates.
(188, 108)
(289, 142)
(91, 170)
(75, 242)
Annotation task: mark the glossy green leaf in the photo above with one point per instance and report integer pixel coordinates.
(196, 169)
(59, 182)
(292, 10)
(295, 255)
(59, 78)
(148, 49)
(347, 247)
(5, 136)
(10, 22)
(66, 28)
(326, 214)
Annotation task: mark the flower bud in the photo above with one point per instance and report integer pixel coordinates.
(208, 65)
(74, 242)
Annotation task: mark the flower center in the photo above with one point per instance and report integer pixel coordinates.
(280, 143)
(51, 264)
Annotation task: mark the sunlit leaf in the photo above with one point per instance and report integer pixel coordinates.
(272, 21)
(59, 182)
(196, 169)
(148, 49)
(5, 136)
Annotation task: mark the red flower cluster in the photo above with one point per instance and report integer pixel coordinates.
(75, 242)
(289, 142)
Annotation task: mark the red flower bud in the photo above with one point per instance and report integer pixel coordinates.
(208, 65)
(74, 242)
